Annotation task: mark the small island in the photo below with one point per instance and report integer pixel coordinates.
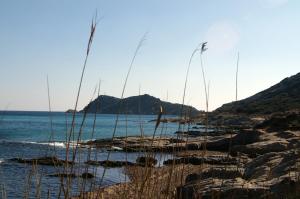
(139, 105)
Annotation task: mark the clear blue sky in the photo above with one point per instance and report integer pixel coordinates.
(49, 37)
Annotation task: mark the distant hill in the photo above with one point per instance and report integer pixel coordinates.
(143, 104)
(284, 96)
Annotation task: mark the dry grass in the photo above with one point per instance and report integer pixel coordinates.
(155, 185)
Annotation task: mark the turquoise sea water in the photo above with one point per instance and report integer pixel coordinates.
(27, 134)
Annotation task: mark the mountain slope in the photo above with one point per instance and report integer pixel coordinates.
(284, 96)
(143, 104)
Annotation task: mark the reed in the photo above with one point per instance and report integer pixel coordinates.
(140, 44)
(197, 49)
(98, 105)
(90, 41)
(51, 137)
(203, 49)
(72, 128)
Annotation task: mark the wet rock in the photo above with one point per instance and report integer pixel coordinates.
(110, 163)
(146, 161)
(51, 161)
(87, 175)
(64, 175)
(175, 140)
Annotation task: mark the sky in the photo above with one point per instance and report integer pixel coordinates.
(40, 38)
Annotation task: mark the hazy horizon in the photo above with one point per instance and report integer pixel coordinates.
(50, 38)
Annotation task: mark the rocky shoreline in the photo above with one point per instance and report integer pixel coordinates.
(258, 162)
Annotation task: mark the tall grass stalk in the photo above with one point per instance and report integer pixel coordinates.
(92, 134)
(140, 117)
(81, 127)
(197, 49)
(151, 154)
(186, 77)
(77, 148)
(140, 44)
(203, 49)
(92, 32)
(90, 41)
(236, 99)
(51, 137)
(141, 123)
(94, 120)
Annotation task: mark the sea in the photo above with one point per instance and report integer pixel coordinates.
(27, 134)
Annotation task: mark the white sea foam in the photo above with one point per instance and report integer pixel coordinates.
(58, 144)
(54, 144)
(1, 161)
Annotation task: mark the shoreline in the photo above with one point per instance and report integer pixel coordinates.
(259, 161)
